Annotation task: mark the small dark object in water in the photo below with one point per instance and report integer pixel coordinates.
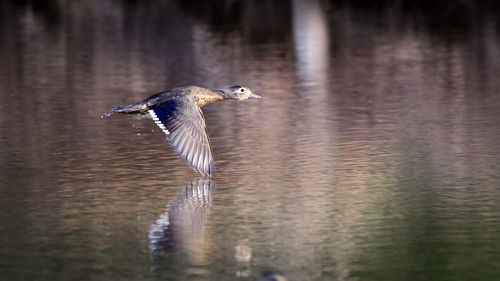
(177, 112)
(272, 276)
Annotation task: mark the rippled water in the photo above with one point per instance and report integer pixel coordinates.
(373, 154)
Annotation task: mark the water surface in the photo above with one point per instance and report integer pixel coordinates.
(373, 154)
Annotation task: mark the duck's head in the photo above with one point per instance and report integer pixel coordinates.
(238, 93)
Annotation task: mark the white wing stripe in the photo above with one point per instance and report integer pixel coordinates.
(158, 122)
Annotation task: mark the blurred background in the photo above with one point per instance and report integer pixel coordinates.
(373, 154)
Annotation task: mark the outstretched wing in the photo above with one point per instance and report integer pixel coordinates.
(183, 123)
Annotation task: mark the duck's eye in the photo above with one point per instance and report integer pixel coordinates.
(242, 90)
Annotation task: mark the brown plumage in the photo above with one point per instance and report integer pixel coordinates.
(207, 97)
(177, 112)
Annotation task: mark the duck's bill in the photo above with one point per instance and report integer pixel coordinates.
(252, 95)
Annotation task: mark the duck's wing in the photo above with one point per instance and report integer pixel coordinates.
(183, 123)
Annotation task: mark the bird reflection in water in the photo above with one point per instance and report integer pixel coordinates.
(180, 228)
(179, 231)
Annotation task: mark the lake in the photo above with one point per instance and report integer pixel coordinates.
(372, 155)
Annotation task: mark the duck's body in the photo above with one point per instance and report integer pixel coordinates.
(177, 112)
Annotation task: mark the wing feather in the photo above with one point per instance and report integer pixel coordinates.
(186, 132)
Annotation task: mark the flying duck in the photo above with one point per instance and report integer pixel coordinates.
(178, 114)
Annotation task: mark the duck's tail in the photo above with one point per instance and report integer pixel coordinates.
(129, 109)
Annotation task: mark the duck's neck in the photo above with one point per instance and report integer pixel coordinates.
(208, 96)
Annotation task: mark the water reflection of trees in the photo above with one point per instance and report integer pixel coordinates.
(341, 146)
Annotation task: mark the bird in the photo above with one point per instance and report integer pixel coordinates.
(178, 113)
